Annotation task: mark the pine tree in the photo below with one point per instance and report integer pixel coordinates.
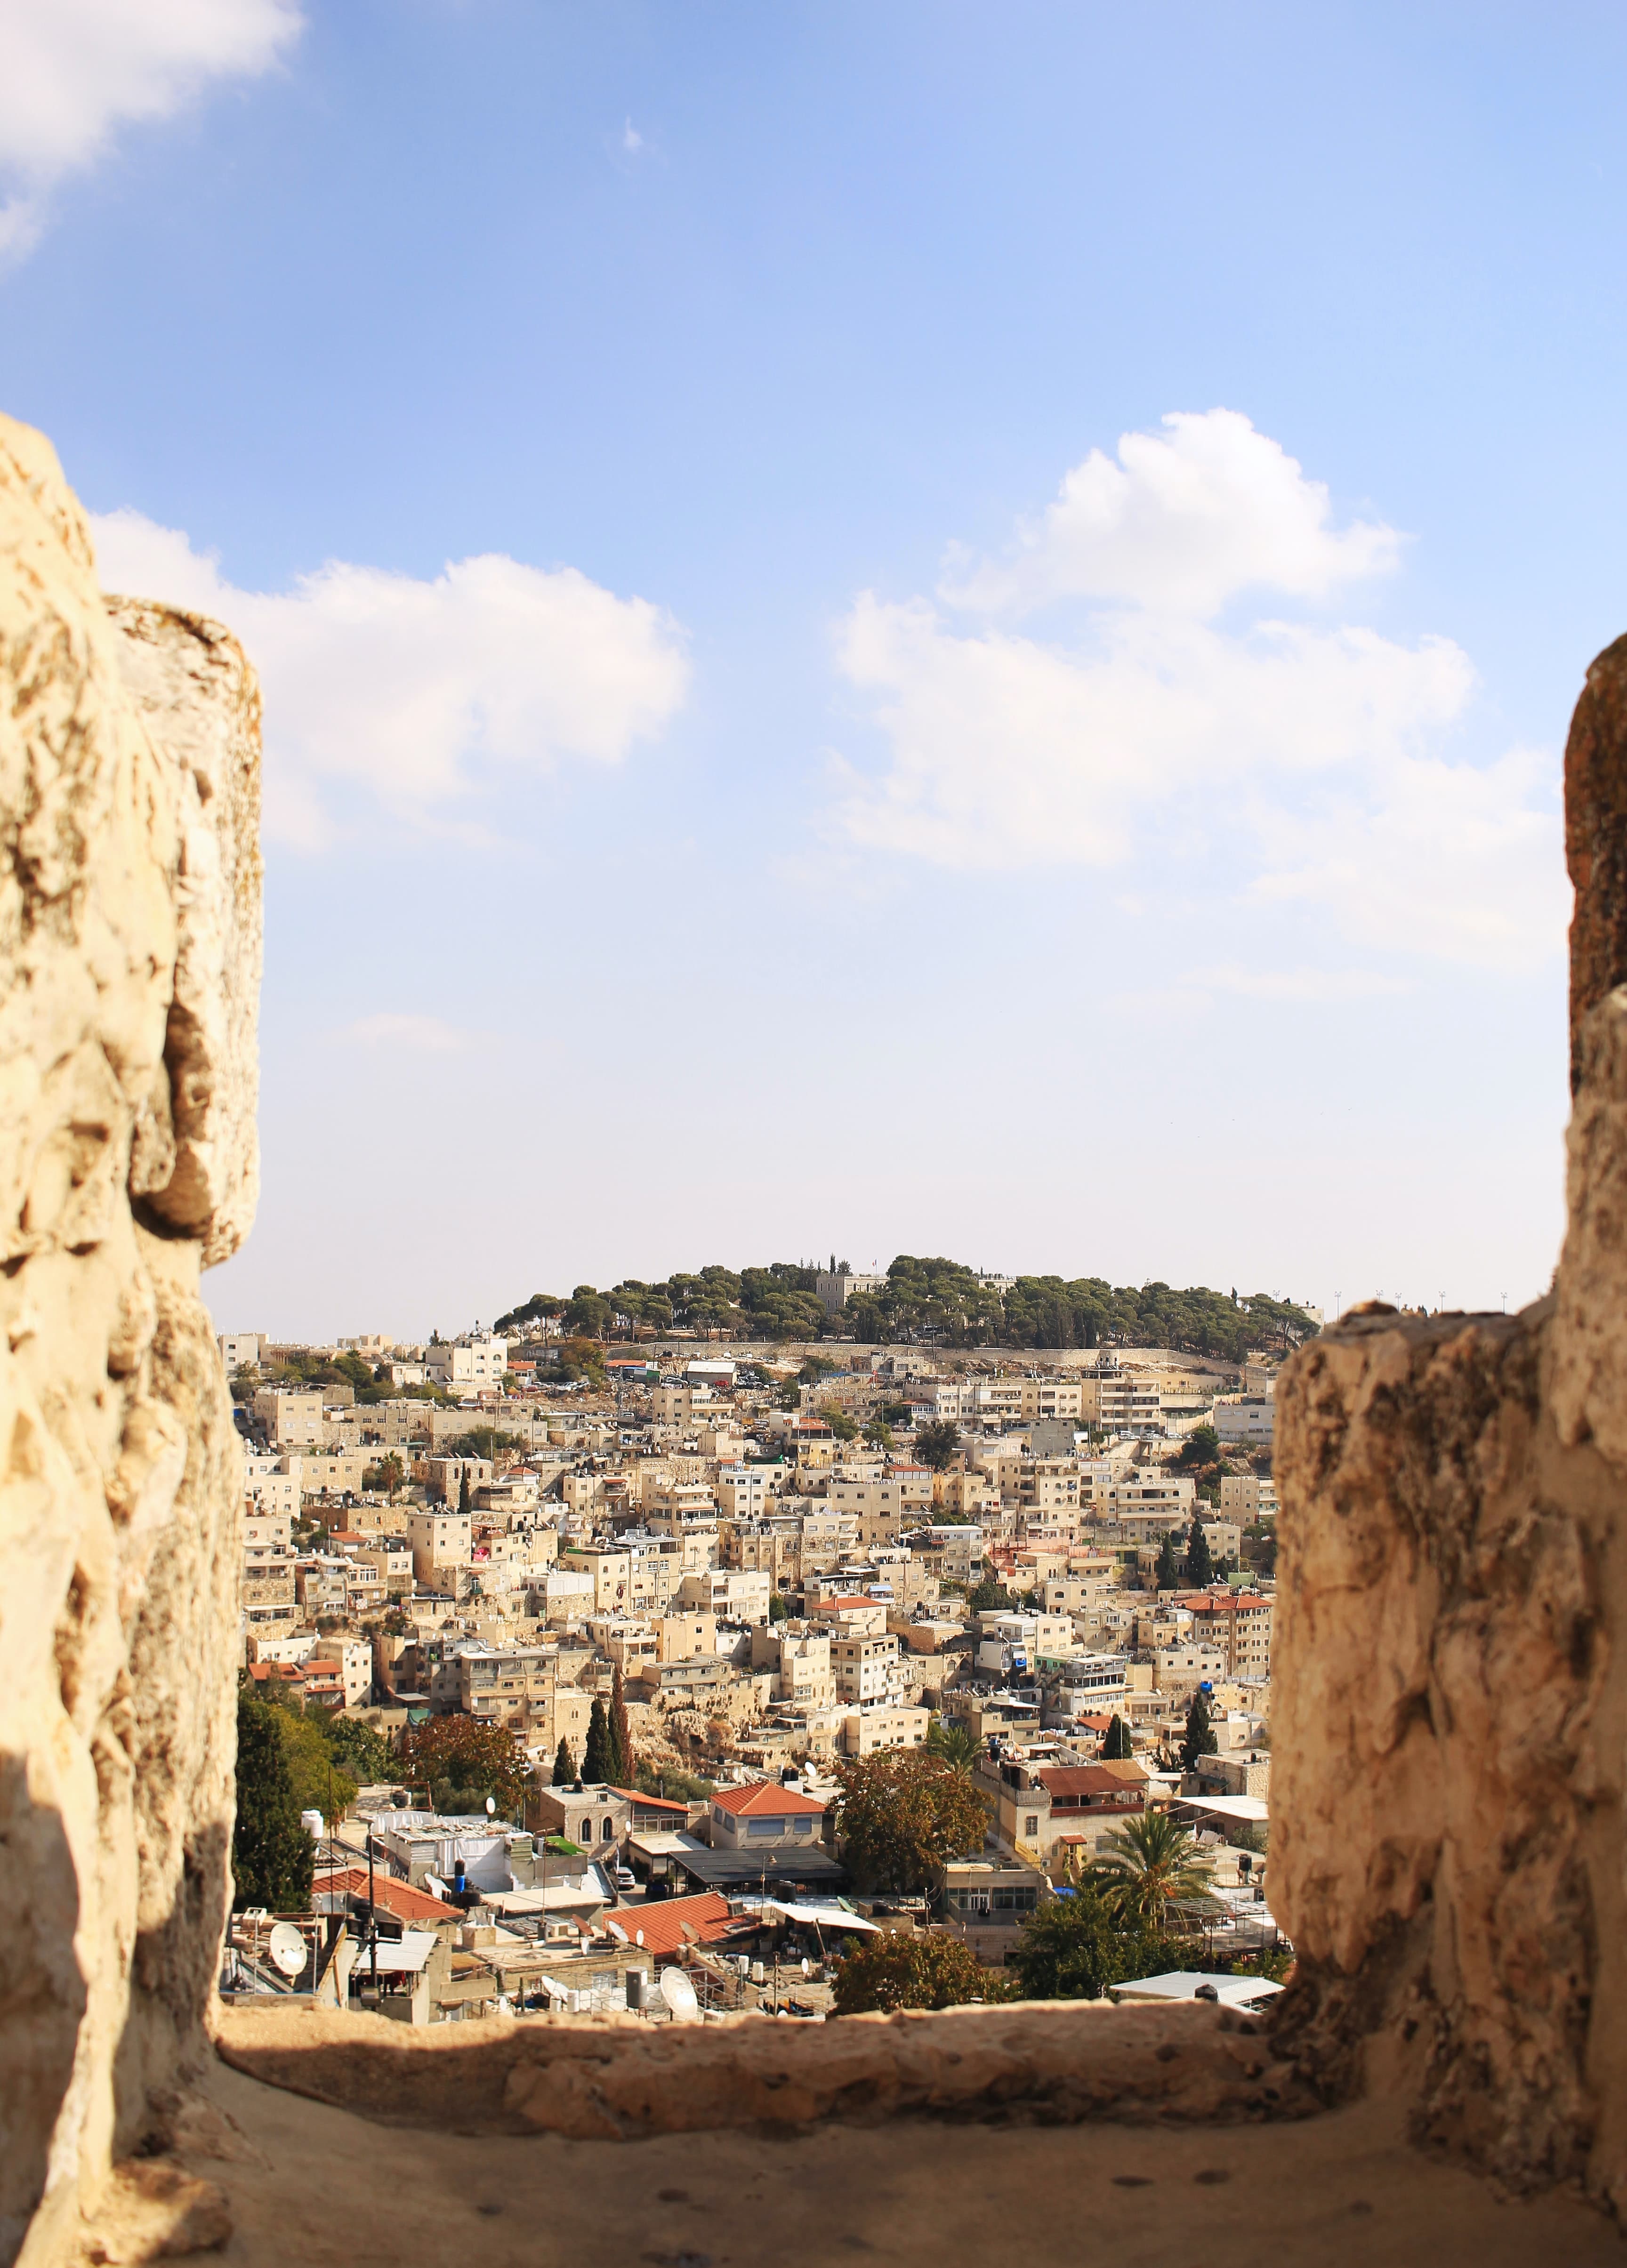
(621, 1735)
(1200, 1568)
(273, 1857)
(1116, 1744)
(463, 1492)
(1198, 1739)
(596, 1756)
(1168, 1575)
(564, 1771)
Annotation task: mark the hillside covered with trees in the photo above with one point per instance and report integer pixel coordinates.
(935, 1302)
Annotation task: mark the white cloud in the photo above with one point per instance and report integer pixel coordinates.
(632, 140)
(1298, 985)
(428, 1035)
(1305, 761)
(1181, 523)
(409, 689)
(75, 69)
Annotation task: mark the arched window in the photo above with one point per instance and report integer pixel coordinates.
(605, 1829)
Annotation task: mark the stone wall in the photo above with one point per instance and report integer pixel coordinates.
(129, 941)
(1451, 1735)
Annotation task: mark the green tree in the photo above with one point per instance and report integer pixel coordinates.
(954, 1742)
(1168, 1575)
(360, 1749)
(598, 1757)
(1275, 1961)
(903, 1814)
(844, 1428)
(565, 1769)
(1198, 1739)
(481, 1442)
(1072, 1948)
(470, 1761)
(1202, 1447)
(387, 1474)
(778, 1611)
(1200, 1568)
(1116, 1747)
(621, 1735)
(899, 1970)
(984, 1597)
(878, 1434)
(463, 1494)
(273, 1858)
(1144, 1867)
(938, 1443)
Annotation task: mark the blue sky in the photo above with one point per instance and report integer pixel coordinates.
(757, 761)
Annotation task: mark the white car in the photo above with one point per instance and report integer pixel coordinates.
(625, 1878)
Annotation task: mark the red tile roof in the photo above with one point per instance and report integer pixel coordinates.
(663, 1922)
(390, 1896)
(764, 1796)
(1081, 1779)
(651, 1802)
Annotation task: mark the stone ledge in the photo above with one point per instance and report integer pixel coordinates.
(600, 2079)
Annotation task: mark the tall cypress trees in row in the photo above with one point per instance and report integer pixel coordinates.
(609, 1757)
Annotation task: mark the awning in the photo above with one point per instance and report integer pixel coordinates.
(1182, 1983)
(1227, 1806)
(718, 1869)
(834, 1918)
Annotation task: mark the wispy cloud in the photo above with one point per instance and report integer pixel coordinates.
(409, 689)
(632, 140)
(74, 71)
(1307, 758)
(421, 1035)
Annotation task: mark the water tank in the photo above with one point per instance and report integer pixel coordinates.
(312, 1821)
(635, 1988)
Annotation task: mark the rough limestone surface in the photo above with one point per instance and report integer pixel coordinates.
(618, 2078)
(1450, 1732)
(1595, 841)
(130, 940)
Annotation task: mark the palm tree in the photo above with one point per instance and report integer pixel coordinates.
(1147, 1866)
(954, 1743)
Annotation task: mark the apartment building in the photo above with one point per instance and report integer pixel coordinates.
(1048, 1485)
(1246, 1497)
(797, 1656)
(883, 1725)
(1245, 1419)
(867, 1668)
(442, 1545)
(1237, 1623)
(749, 1492)
(1120, 1401)
(468, 1365)
(290, 1416)
(737, 1595)
(611, 1567)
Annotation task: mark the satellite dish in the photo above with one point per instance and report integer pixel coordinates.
(678, 1995)
(638, 1937)
(492, 1805)
(287, 1947)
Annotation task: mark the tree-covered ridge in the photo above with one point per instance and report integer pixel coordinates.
(935, 1302)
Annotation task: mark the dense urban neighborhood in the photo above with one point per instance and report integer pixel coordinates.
(789, 1640)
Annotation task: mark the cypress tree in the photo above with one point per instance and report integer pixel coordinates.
(1198, 1739)
(463, 1492)
(1116, 1745)
(620, 1734)
(273, 1858)
(1200, 1568)
(596, 1756)
(1168, 1573)
(564, 1771)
